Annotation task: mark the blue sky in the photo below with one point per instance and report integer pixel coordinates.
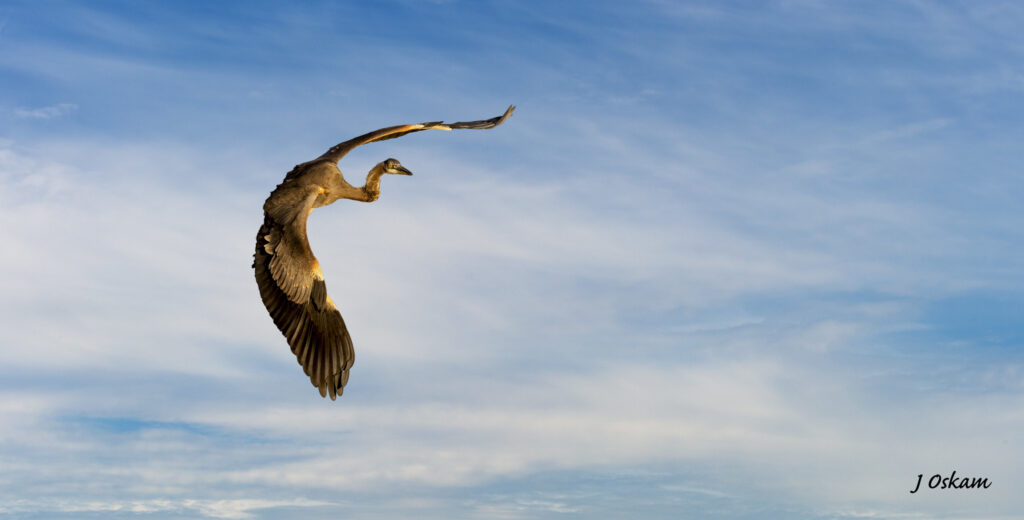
(727, 260)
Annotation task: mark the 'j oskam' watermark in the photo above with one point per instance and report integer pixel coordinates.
(938, 481)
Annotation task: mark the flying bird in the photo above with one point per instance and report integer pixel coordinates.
(289, 277)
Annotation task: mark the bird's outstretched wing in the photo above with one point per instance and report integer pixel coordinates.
(338, 151)
(293, 290)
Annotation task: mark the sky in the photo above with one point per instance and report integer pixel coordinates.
(727, 260)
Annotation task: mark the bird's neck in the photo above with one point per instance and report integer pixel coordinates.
(372, 186)
(373, 178)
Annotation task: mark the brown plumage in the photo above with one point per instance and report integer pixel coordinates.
(291, 284)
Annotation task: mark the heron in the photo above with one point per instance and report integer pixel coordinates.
(289, 277)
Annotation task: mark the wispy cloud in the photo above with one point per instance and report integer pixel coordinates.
(229, 509)
(48, 112)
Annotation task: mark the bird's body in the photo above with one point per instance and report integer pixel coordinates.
(289, 277)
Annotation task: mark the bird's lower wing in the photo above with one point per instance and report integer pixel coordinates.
(295, 295)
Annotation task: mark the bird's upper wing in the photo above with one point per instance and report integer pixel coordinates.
(338, 151)
(293, 290)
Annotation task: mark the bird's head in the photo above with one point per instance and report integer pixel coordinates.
(395, 167)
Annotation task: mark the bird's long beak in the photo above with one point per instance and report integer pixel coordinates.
(401, 170)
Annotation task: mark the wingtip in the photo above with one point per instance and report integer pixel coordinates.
(508, 112)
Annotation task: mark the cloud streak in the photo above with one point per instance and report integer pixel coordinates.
(50, 112)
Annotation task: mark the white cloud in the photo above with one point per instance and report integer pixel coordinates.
(48, 112)
(231, 509)
(809, 429)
